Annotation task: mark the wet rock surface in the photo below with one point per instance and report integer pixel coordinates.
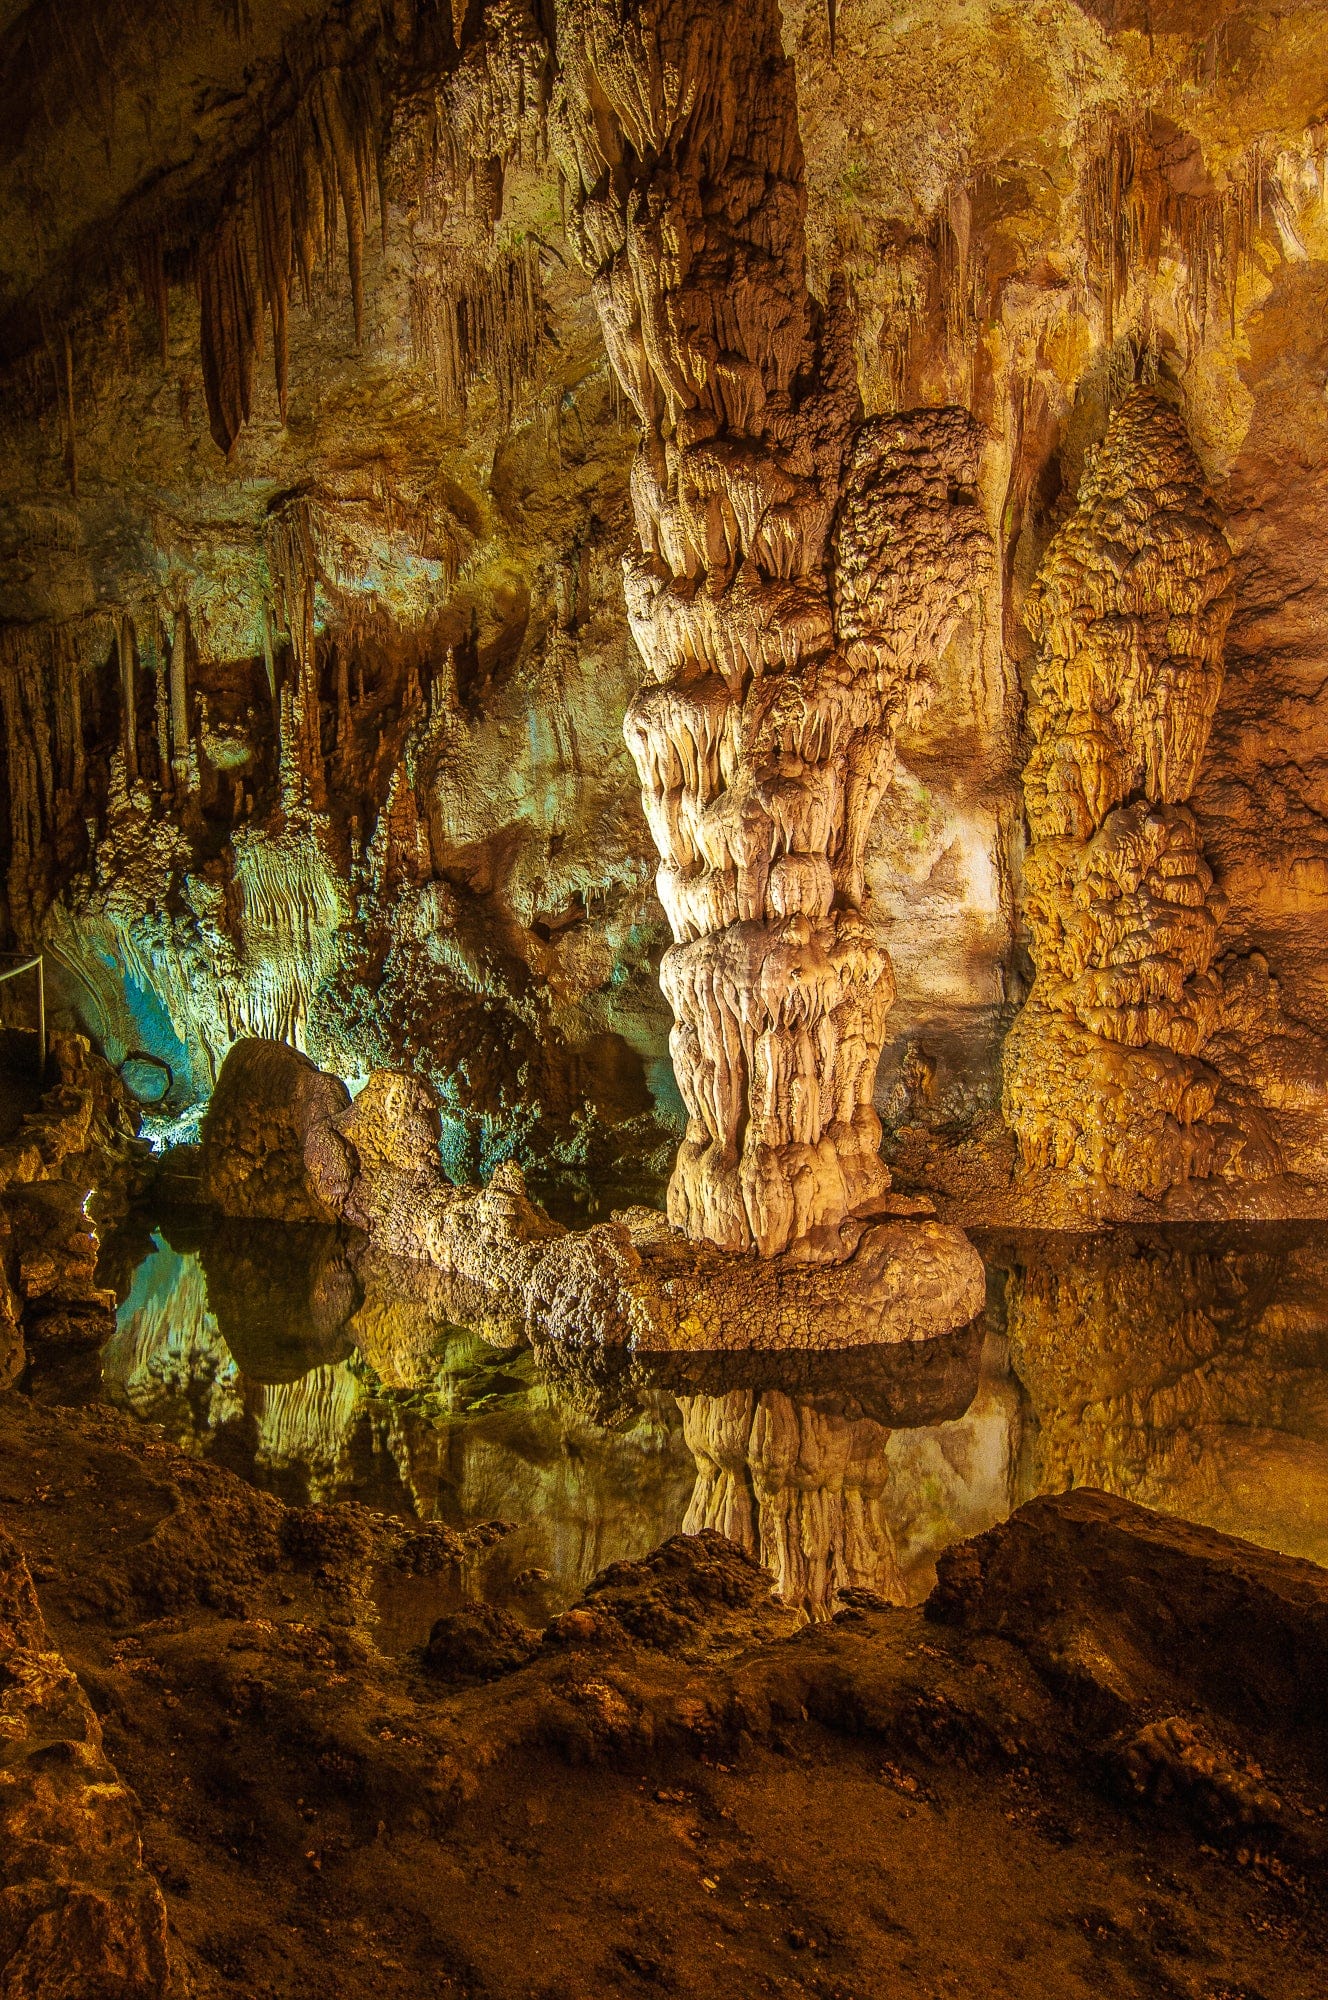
(284, 1142)
(80, 1914)
(680, 1786)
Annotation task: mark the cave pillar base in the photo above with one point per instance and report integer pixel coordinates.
(908, 1279)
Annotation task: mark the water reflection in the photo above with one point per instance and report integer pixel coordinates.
(1185, 1368)
(334, 1384)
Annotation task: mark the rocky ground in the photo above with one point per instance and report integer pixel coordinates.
(1093, 1764)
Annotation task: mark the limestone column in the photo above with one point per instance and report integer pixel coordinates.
(762, 745)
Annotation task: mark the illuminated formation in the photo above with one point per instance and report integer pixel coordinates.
(1104, 1069)
(779, 651)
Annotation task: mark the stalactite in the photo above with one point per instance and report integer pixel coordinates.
(228, 330)
(481, 319)
(269, 651)
(41, 669)
(151, 261)
(179, 703)
(71, 431)
(327, 159)
(1145, 189)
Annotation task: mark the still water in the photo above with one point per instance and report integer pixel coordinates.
(1183, 1367)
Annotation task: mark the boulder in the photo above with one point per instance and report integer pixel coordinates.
(269, 1145)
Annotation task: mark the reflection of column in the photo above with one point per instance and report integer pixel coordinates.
(800, 1486)
(861, 1476)
(763, 734)
(1103, 1069)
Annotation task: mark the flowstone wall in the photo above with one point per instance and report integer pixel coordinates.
(315, 488)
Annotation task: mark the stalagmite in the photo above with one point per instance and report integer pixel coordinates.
(162, 704)
(293, 561)
(124, 642)
(179, 702)
(777, 658)
(1104, 1069)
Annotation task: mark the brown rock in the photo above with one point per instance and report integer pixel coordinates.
(80, 1916)
(269, 1147)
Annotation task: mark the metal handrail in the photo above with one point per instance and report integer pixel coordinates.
(12, 972)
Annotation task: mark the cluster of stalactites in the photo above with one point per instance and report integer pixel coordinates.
(41, 695)
(777, 651)
(322, 174)
(1103, 1069)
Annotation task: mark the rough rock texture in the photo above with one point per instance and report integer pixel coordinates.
(776, 670)
(1104, 1594)
(264, 1144)
(681, 1788)
(73, 1162)
(81, 1918)
(1105, 1068)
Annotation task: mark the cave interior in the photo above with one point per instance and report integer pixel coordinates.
(663, 999)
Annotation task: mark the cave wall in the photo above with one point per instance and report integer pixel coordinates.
(390, 815)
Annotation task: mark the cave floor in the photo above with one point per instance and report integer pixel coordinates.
(874, 1806)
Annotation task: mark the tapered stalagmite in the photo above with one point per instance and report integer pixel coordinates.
(180, 701)
(124, 645)
(762, 735)
(1103, 1070)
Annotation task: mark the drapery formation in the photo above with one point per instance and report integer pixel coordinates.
(764, 598)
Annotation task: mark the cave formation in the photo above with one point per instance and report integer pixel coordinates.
(663, 1036)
